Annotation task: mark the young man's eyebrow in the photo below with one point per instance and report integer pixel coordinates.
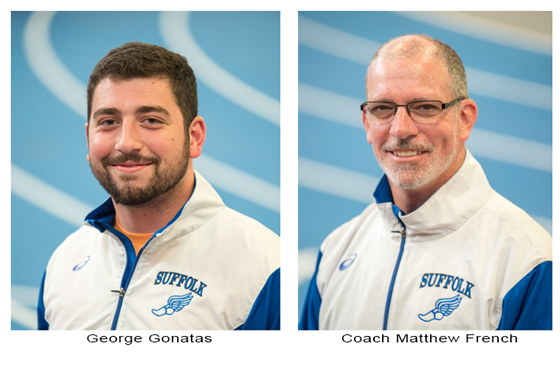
(102, 111)
(148, 109)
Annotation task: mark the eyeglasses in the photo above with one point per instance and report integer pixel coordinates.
(419, 111)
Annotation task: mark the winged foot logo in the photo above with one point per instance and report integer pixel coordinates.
(175, 303)
(444, 307)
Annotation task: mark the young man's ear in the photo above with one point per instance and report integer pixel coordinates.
(197, 135)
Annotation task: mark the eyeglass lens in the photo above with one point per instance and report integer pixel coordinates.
(419, 111)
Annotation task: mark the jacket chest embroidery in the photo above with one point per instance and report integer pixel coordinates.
(180, 280)
(444, 307)
(176, 303)
(443, 281)
(447, 305)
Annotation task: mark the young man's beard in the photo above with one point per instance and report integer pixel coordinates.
(128, 194)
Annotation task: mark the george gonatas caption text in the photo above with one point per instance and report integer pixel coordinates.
(152, 338)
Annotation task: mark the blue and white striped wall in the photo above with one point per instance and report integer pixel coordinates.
(509, 71)
(236, 58)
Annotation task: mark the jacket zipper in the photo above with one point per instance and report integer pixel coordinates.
(128, 272)
(402, 231)
(121, 292)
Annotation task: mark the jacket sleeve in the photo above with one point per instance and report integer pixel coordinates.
(42, 324)
(312, 304)
(265, 313)
(528, 305)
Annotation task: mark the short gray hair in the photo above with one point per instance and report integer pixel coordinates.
(440, 51)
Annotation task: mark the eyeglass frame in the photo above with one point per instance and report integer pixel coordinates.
(443, 105)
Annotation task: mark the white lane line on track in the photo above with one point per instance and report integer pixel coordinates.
(176, 32)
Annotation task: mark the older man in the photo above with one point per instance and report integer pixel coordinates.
(163, 252)
(439, 248)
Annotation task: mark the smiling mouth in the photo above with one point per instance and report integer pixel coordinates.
(406, 153)
(130, 168)
(131, 165)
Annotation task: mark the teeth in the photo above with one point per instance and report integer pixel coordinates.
(409, 153)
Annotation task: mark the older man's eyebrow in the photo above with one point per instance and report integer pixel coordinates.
(102, 111)
(149, 109)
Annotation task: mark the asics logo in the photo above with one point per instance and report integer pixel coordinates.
(81, 264)
(347, 262)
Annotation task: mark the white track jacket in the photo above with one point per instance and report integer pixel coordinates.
(466, 259)
(209, 268)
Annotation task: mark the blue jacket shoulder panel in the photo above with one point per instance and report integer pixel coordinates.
(42, 324)
(528, 305)
(265, 313)
(312, 305)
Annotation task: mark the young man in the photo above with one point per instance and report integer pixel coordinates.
(163, 252)
(439, 249)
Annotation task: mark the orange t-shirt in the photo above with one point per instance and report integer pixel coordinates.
(138, 240)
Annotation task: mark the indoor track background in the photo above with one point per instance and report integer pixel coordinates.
(235, 56)
(509, 71)
(236, 59)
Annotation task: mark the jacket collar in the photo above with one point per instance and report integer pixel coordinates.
(466, 192)
(203, 204)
